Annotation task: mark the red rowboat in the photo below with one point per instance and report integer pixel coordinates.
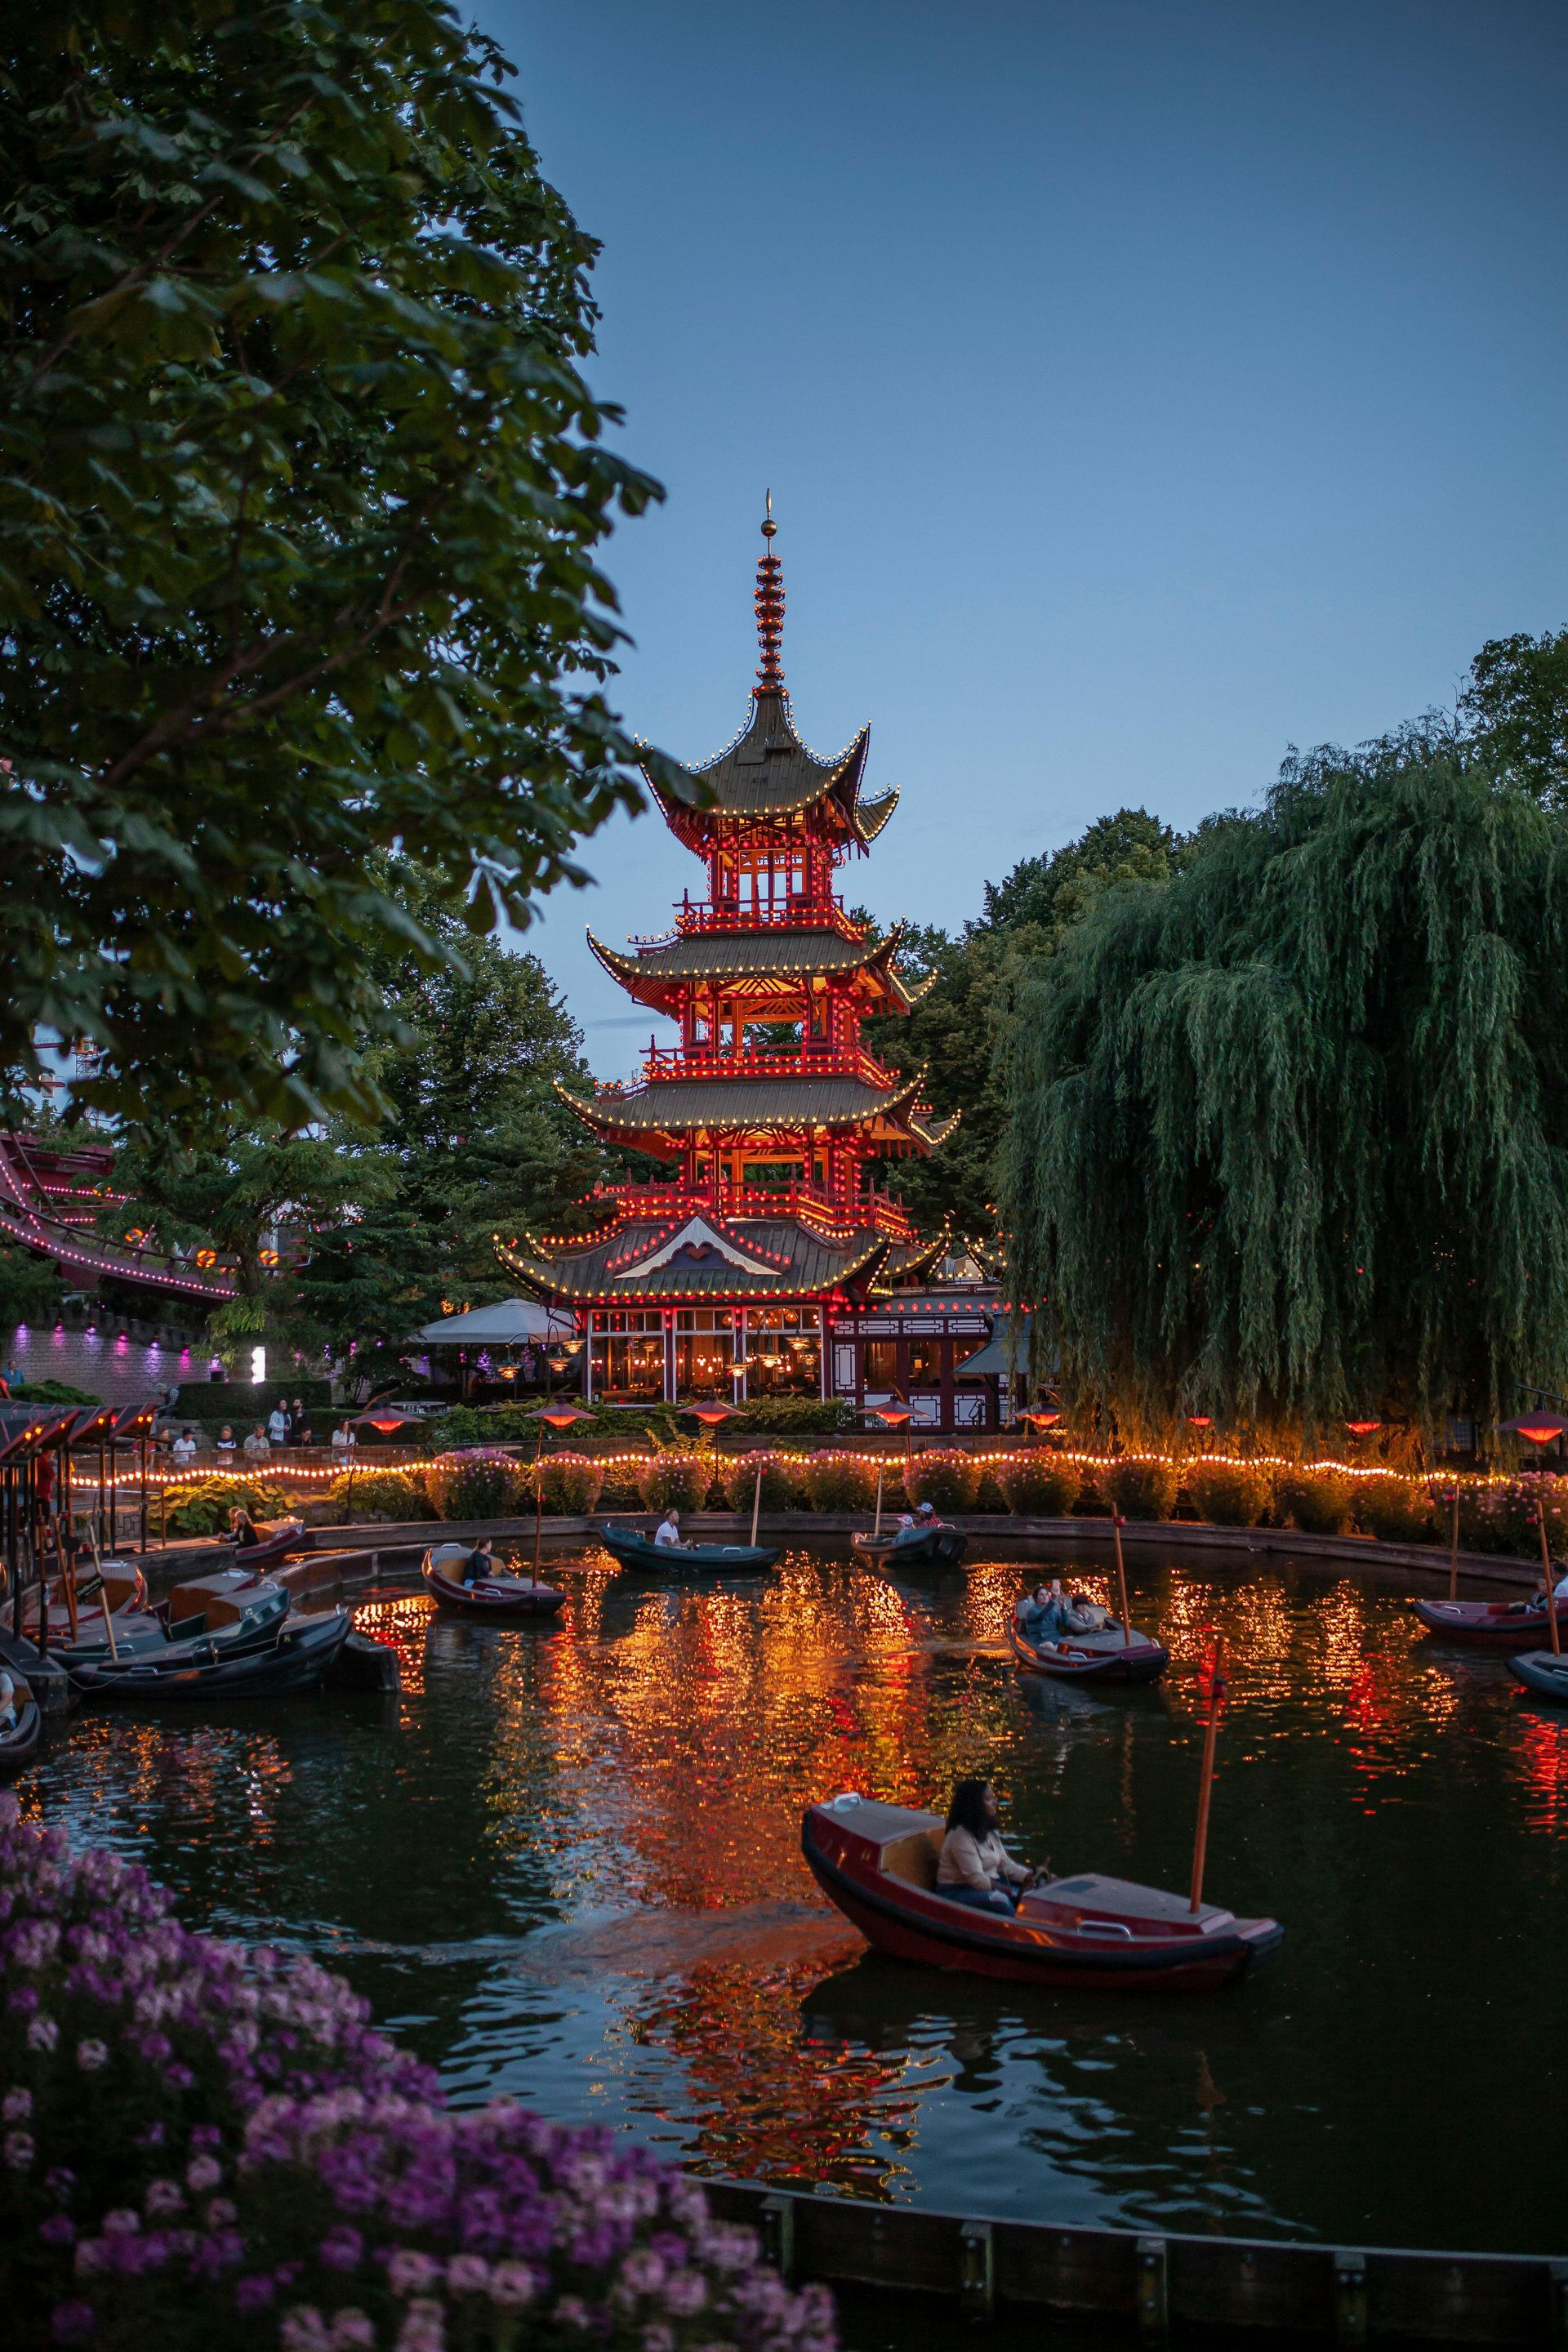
(492, 1596)
(277, 1544)
(1101, 1657)
(1506, 1622)
(877, 1864)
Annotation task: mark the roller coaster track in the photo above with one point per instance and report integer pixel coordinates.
(49, 1204)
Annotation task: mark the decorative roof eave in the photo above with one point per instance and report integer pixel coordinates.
(648, 983)
(550, 1286)
(934, 1136)
(920, 1257)
(870, 816)
(658, 1137)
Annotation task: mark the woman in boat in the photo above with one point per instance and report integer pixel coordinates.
(1043, 1615)
(480, 1562)
(243, 1527)
(974, 1866)
(908, 1532)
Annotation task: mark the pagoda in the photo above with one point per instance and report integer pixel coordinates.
(731, 1277)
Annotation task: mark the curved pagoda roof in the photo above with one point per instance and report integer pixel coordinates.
(705, 1256)
(663, 1114)
(767, 962)
(768, 771)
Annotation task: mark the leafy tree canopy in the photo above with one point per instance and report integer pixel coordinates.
(1290, 1137)
(301, 490)
(1516, 706)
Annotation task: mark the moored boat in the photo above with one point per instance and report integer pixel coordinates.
(22, 1741)
(1545, 1673)
(877, 1864)
(941, 1543)
(295, 1660)
(1504, 1621)
(491, 1596)
(231, 1608)
(1104, 1656)
(634, 1550)
(281, 1537)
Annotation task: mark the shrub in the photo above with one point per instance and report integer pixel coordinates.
(843, 1481)
(949, 1480)
(678, 1479)
(796, 1416)
(382, 1494)
(1229, 1494)
(571, 1484)
(1038, 1485)
(782, 1489)
(146, 2068)
(477, 1483)
(51, 1392)
(1318, 1501)
(1139, 1486)
(1397, 1510)
(1501, 1516)
(203, 1510)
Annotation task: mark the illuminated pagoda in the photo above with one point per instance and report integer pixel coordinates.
(769, 1258)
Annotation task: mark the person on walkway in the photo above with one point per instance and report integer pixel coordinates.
(298, 1432)
(226, 1439)
(974, 1866)
(277, 1426)
(184, 1449)
(257, 1448)
(668, 1535)
(343, 1441)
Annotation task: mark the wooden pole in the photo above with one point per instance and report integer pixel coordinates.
(1454, 1545)
(103, 1602)
(756, 1505)
(881, 1474)
(1206, 1778)
(1551, 1582)
(1121, 1582)
(538, 1501)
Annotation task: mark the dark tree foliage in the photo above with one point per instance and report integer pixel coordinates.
(299, 494)
(1290, 1134)
(957, 1029)
(1515, 704)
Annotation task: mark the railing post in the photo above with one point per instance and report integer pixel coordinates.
(1153, 2290)
(977, 2270)
(1350, 2297)
(777, 2214)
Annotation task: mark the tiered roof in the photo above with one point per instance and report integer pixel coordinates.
(713, 1258)
(770, 961)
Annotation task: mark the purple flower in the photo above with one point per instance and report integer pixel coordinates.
(91, 2054)
(342, 2249)
(72, 2323)
(253, 2294)
(205, 2173)
(18, 2150)
(59, 2230)
(16, 2105)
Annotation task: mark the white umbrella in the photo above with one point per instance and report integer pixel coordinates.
(511, 1322)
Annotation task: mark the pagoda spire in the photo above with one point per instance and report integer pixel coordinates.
(770, 608)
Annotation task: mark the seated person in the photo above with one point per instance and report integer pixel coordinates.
(480, 1562)
(226, 1439)
(666, 1536)
(1044, 1617)
(908, 1532)
(1559, 1590)
(974, 1866)
(10, 1713)
(926, 1518)
(1084, 1615)
(243, 1527)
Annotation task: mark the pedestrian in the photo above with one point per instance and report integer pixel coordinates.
(184, 1449)
(226, 1439)
(257, 1448)
(299, 1433)
(343, 1441)
(278, 1425)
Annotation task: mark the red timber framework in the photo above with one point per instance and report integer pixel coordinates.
(731, 1277)
(52, 1202)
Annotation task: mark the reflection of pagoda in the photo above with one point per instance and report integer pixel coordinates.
(774, 1115)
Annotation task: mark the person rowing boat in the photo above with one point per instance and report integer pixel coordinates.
(974, 1866)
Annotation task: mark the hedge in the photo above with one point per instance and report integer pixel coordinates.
(477, 1483)
(1229, 1494)
(1318, 1501)
(783, 1487)
(1038, 1485)
(1141, 1487)
(947, 1480)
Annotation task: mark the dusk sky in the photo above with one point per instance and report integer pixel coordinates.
(1141, 388)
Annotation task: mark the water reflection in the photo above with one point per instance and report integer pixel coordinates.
(566, 1864)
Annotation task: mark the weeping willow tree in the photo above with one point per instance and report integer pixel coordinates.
(1288, 1133)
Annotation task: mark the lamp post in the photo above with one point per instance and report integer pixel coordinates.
(548, 1416)
(1040, 1417)
(1541, 1428)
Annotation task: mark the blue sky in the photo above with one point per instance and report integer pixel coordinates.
(1143, 388)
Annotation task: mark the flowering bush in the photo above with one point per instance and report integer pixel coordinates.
(381, 1494)
(478, 1482)
(845, 1481)
(948, 1481)
(1397, 1510)
(781, 1481)
(570, 1484)
(678, 1478)
(1038, 1485)
(1503, 1518)
(1319, 1502)
(203, 1510)
(1229, 1494)
(1139, 1486)
(205, 2146)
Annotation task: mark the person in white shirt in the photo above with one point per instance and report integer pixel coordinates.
(257, 1448)
(276, 1426)
(342, 1438)
(667, 1537)
(184, 1449)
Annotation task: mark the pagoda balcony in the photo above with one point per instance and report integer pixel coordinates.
(662, 1063)
(742, 914)
(809, 1203)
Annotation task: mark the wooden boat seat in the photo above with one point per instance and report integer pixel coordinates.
(914, 1858)
(220, 1598)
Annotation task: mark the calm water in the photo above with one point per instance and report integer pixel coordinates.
(565, 1866)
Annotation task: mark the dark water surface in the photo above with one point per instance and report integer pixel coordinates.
(565, 1865)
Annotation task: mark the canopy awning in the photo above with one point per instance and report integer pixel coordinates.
(511, 1322)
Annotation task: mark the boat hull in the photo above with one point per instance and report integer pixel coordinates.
(634, 1550)
(912, 1923)
(1068, 1661)
(20, 1746)
(304, 1649)
(501, 1598)
(1543, 1673)
(944, 1545)
(1496, 1623)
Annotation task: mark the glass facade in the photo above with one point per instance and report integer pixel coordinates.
(705, 1350)
(784, 1351)
(626, 1352)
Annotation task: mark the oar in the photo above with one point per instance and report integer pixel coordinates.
(756, 1506)
(67, 1576)
(103, 1596)
(881, 1474)
(1454, 1545)
(1206, 1781)
(1121, 1582)
(1551, 1582)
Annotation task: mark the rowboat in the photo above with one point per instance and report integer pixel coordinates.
(634, 1550)
(21, 1743)
(1104, 1657)
(296, 1660)
(942, 1543)
(284, 1538)
(877, 1864)
(231, 1608)
(1545, 1673)
(490, 1596)
(1485, 1621)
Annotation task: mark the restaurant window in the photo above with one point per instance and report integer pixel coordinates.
(626, 1348)
(784, 1351)
(925, 1361)
(881, 1364)
(704, 1350)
